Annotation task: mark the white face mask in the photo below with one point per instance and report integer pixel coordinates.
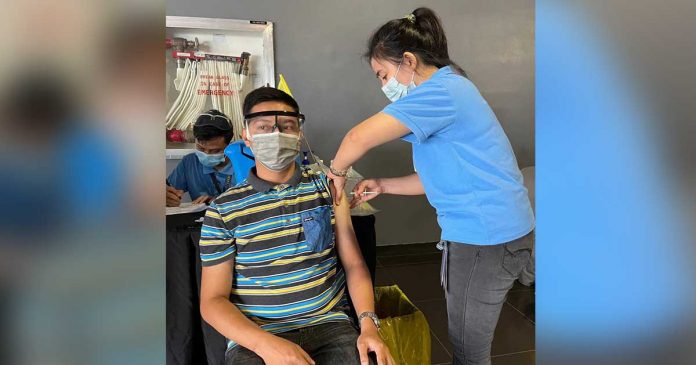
(275, 150)
(394, 90)
(210, 160)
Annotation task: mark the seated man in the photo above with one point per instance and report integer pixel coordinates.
(272, 283)
(206, 173)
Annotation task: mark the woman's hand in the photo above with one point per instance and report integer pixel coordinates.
(279, 351)
(365, 190)
(337, 187)
(370, 341)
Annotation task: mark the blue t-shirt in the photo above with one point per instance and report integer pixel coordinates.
(465, 161)
(190, 175)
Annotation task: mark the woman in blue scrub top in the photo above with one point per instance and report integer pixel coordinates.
(464, 165)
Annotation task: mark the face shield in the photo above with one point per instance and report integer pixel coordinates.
(273, 121)
(274, 137)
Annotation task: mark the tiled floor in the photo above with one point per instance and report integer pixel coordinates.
(416, 268)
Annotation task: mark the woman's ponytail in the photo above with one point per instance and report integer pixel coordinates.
(419, 32)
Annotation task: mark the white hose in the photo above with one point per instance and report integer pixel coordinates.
(239, 115)
(191, 90)
(227, 99)
(213, 66)
(198, 102)
(223, 73)
(193, 96)
(178, 103)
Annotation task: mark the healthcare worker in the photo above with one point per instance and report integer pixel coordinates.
(464, 165)
(208, 172)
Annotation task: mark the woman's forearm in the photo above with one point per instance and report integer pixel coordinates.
(374, 131)
(352, 148)
(405, 185)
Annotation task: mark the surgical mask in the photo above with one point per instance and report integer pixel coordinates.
(275, 150)
(394, 90)
(210, 160)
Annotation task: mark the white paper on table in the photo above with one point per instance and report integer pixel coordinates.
(187, 208)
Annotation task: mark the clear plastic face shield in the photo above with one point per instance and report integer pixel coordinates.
(273, 121)
(285, 122)
(274, 137)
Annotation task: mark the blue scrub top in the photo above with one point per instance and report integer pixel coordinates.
(465, 161)
(242, 159)
(191, 176)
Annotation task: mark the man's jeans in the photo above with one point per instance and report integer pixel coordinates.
(476, 280)
(333, 343)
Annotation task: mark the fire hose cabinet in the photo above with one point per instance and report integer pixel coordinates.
(212, 63)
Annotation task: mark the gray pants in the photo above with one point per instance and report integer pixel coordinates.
(330, 343)
(476, 280)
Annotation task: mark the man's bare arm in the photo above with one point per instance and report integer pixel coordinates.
(219, 312)
(227, 319)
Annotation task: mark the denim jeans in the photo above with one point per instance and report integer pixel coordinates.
(333, 343)
(476, 281)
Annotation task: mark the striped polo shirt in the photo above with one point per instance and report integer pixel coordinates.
(281, 237)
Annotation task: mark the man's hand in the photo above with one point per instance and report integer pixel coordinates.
(275, 350)
(370, 341)
(371, 186)
(174, 196)
(202, 199)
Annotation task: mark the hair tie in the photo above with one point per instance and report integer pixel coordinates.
(410, 17)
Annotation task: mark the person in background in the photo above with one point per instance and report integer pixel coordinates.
(206, 173)
(464, 165)
(278, 256)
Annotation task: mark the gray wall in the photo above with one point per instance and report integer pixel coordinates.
(318, 47)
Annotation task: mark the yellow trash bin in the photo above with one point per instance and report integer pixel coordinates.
(403, 326)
